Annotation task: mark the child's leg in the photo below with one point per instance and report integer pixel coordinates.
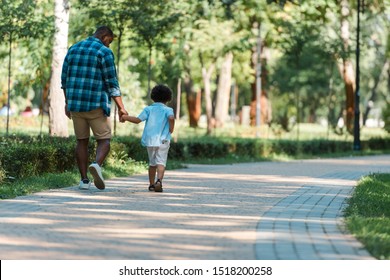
(152, 174)
(160, 176)
(160, 171)
(161, 159)
(152, 166)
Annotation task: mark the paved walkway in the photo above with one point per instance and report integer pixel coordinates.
(267, 210)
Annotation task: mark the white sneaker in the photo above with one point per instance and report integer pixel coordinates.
(84, 184)
(96, 173)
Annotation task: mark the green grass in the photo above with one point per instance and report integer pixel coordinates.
(368, 214)
(307, 131)
(25, 186)
(13, 188)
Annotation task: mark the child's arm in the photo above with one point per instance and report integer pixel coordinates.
(131, 119)
(171, 121)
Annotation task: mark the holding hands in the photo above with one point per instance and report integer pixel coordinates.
(122, 112)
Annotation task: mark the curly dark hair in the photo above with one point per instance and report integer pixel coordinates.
(161, 93)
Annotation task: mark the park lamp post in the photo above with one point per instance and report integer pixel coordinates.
(258, 80)
(356, 129)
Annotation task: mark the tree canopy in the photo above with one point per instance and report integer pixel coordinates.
(159, 41)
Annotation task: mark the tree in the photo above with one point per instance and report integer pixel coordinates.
(300, 36)
(151, 19)
(375, 61)
(345, 65)
(58, 124)
(223, 91)
(212, 40)
(18, 20)
(256, 19)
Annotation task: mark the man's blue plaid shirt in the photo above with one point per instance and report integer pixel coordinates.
(89, 76)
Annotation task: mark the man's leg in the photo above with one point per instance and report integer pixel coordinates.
(101, 128)
(102, 150)
(82, 157)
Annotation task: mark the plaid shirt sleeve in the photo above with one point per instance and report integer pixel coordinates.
(110, 76)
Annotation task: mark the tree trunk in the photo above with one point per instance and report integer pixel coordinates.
(58, 124)
(206, 74)
(374, 94)
(194, 105)
(346, 68)
(266, 112)
(224, 89)
(193, 102)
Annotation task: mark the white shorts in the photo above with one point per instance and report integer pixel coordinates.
(158, 155)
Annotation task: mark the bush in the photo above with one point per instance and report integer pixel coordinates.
(376, 144)
(2, 174)
(24, 156)
(133, 147)
(386, 117)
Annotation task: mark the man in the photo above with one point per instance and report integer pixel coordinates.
(89, 81)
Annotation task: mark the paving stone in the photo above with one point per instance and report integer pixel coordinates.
(265, 210)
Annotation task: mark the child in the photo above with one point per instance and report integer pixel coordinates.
(156, 136)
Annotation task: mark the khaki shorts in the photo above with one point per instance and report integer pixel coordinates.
(158, 155)
(95, 120)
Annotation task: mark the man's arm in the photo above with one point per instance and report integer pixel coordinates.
(111, 81)
(64, 73)
(67, 112)
(121, 108)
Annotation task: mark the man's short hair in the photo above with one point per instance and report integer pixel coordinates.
(103, 31)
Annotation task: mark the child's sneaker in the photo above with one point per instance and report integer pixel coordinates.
(84, 184)
(158, 186)
(96, 173)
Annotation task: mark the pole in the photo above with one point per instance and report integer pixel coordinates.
(356, 131)
(178, 99)
(9, 81)
(258, 83)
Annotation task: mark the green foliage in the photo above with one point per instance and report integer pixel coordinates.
(24, 156)
(280, 2)
(2, 173)
(371, 197)
(368, 214)
(301, 44)
(386, 117)
(151, 19)
(18, 19)
(194, 149)
(31, 184)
